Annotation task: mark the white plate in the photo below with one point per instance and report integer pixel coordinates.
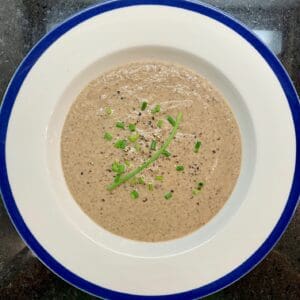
(32, 183)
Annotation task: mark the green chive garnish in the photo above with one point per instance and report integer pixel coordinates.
(136, 180)
(141, 180)
(121, 144)
(168, 196)
(137, 147)
(127, 163)
(133, 181)
(144, 105)
(197, 146)
(151, 160)
(153, 145)
(195, 192)
(179, 168)
(133, 138)
(150, 186)
(131, 127)
(159, 178)
(171, 120)
(118, 168)
(120, 125)
(166, 153)
(156, 109)
(159, 123)
(108, 136)
(108, 111)
(134, 194)
(200, 186)
(117, 178)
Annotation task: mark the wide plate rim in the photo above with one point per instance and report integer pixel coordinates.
(32, 58)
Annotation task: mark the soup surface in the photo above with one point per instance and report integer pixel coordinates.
(150, 151)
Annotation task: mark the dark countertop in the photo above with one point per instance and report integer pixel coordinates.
(22, 23)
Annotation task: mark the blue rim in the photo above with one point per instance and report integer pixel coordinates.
(12, 93)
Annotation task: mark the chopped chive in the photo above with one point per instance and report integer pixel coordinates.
(131, 127)
(171, 120)
(168, 196)
(159, 123)
(153, 145)
(150, 186)
(120, 125)
(166, 153)
(156, 109)
(195, 192)
(134, 194)
(121, 144)
(127, 163)
(133, 138)
(144, 105)
(159, 178)
(117, 178)
(179, 168)
(141, 180)
(108, 136)
(200, 186)
(137, 147)
(118, 168)
(108, 111)
(197, 146)
(133, 181)
(151, 160)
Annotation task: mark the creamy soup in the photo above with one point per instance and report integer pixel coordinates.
(150, 151)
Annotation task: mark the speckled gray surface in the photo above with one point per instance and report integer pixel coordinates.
(22, 23)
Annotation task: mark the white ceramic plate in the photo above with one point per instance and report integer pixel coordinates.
(32, 183)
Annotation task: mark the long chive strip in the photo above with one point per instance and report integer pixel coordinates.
(152, 159)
